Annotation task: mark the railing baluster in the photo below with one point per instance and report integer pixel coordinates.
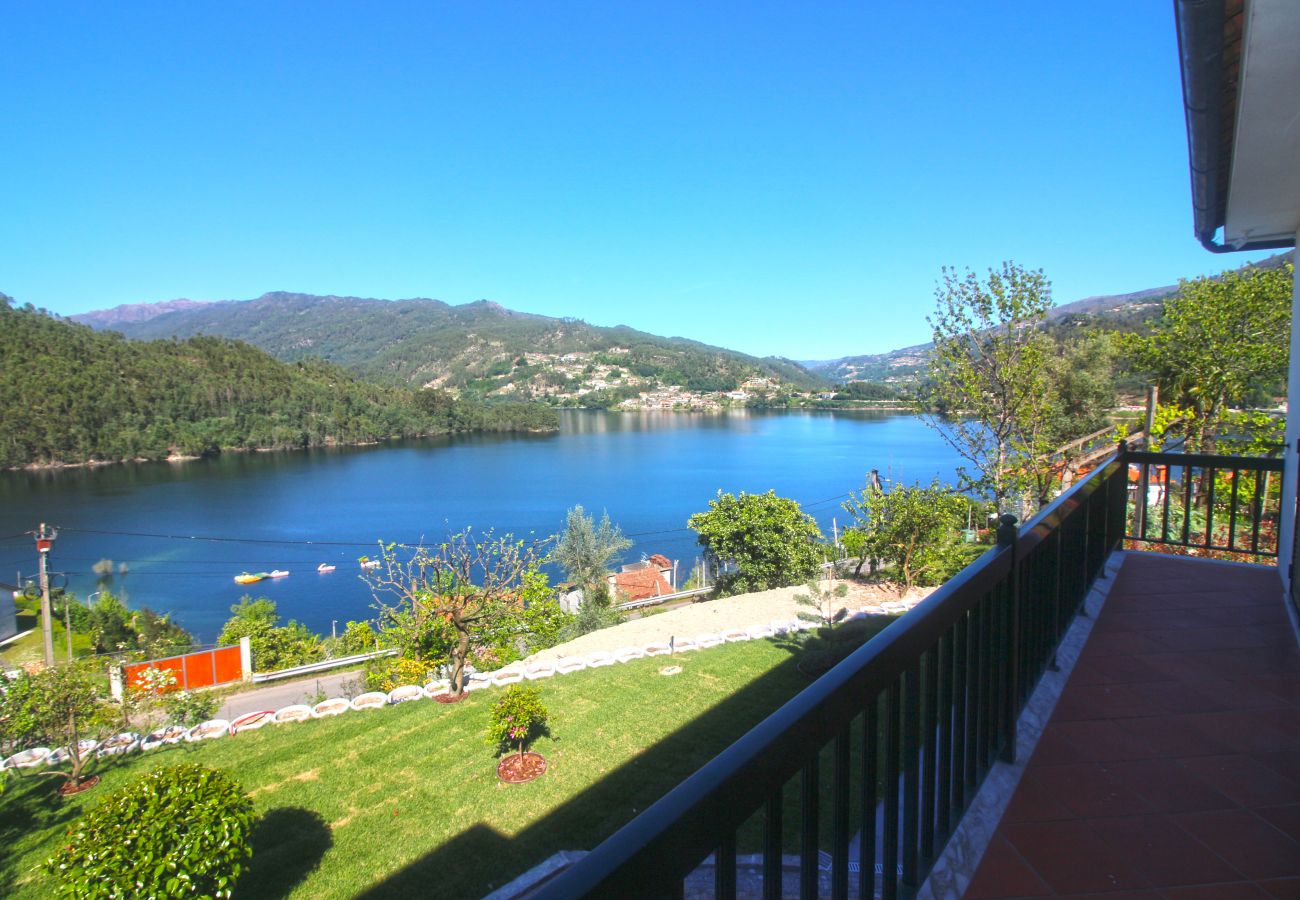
(870, 769)
(911, 774)
(1209, 506)
(929, 751)
(773, 861)
(1258, 512)
(809, 810)
(1164, 493)
(840, 819)
(1232, 509)
(1188, 478)
(889, 741)
(945, 710)
(960, 711)
(724, 868)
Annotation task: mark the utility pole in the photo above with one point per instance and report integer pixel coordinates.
(44, 541)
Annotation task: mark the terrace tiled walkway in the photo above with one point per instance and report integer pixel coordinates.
(1171, 766)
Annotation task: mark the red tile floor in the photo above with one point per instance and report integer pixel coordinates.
(1171, 765)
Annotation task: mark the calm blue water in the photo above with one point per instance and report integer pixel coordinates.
(650, 471)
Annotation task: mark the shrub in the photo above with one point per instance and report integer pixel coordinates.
(515, 717)
(177, 830)
(190, 707)
(386, 673)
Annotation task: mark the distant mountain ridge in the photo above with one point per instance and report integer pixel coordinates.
(1122, 310)
(134, 312)
(477, 347)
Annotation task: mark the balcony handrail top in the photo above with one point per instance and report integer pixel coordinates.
(1207, 460)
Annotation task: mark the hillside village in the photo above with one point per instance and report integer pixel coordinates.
(606, 378)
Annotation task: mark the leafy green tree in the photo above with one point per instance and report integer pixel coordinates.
(1218, 339)
(472, 583)
(177, 831)
(915, 529)
(585, 550)
(856, 545)
(987, 391)
(70, 705)
(762, 541)
(822, 603)
(274, 646)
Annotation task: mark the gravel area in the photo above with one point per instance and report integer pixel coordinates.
(715, 616)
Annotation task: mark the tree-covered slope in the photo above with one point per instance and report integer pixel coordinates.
(472, 346)
(70, 394)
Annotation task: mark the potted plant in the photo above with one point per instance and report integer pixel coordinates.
(516, 718)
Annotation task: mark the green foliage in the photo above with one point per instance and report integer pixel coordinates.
(595, 613)
(67, 703)
(178, 831)
(468, 582)
(866, 390)
(357, 637)
(585, 550)
(1218, 340)
(274, 646)
(71, 394)
(915, 529)
(766, 541)
(190, 707)
(516, 717)
(541, 620)
(20, 721)
(856, 545)
(988, 381)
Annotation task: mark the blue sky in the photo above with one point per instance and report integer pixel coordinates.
(777, 178)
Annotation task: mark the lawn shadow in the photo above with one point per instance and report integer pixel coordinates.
(30, 805)
(597, 812)
(288, 844)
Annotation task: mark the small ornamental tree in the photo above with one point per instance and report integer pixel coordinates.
(822, 603)
(516, 717)
(768, 540)
(69, 707)
(177, 831)
(471, 583)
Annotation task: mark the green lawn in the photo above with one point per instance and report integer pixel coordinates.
(405, 800)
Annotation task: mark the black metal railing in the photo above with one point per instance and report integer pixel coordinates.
(855, 785)
(1214, 505)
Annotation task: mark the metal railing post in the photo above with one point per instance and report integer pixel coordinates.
(1007, 535)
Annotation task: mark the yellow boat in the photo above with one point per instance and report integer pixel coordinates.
(246, 578)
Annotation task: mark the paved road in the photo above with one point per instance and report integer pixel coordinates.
(274, 696)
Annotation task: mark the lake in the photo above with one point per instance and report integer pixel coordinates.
(649, 470)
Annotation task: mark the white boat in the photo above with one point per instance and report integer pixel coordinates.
(324, 567)
(278, 573)
(370, 564)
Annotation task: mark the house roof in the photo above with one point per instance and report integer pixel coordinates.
(1237, 59)
(641, 584)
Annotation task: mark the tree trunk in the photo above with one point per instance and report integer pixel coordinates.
(458, 657)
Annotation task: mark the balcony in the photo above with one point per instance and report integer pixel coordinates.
(1171, 758)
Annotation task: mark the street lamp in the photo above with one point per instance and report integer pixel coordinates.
(90, 601)
(334, 631)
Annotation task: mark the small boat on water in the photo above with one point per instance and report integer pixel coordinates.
(324, 567)
(278, 573)
(250, 578)
(370, 564)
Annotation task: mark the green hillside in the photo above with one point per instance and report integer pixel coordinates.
(475, 347)
(70, 394)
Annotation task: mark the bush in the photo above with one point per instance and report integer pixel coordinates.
(190, 707)
(386, 673)
(515, 717)
(178, 830)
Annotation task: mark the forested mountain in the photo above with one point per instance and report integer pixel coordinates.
(70, 394)
(1115, 312)
(474, 347)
